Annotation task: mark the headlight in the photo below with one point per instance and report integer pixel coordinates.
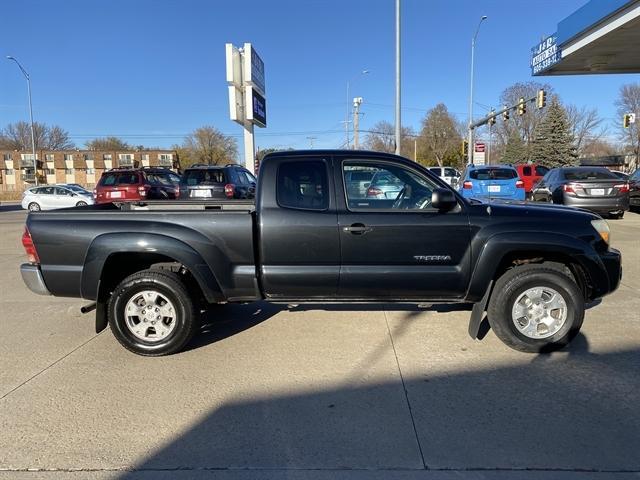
(602, 227)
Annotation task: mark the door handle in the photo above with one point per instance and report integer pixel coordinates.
(357, 229)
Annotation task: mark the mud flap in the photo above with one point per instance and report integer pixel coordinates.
(477, 312)
(101, 316)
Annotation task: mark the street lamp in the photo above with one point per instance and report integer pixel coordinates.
(473, 48)
(346, 120)
(33, 137)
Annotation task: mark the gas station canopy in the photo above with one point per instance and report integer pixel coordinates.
(601, 37)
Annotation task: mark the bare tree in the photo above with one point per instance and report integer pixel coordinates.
(17, 136)
(108, 144)
(381, 138)
(524, 125)
(440, 138)
(599, 148)
(583, 125)
(208, 145)
(629, 102)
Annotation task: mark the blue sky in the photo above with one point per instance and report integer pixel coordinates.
(154, 70)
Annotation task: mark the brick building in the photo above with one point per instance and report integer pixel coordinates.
(74, 166)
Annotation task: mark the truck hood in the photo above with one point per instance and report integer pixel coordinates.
(535, 209)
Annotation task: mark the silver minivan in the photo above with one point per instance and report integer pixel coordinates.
(50, 197)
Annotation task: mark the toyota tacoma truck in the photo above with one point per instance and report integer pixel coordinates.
(150, 268)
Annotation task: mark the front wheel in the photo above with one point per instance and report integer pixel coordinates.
(536, 308)
(33, 207)
(81, 204)
(152, 314)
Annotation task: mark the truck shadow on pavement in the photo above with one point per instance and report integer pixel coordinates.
(574, 411)
(224, 321)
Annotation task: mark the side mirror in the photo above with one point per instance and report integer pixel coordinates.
(443, 199)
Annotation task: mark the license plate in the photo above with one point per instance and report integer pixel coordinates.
(201, 193)
(494, 188)
(116, 195)
(597, 191)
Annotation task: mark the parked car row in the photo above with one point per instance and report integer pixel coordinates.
(137, 184)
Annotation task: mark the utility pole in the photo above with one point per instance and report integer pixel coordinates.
(398, 109)
(347, 121)
(357, 101)
(311, 139)
(473, 49)
(33, 136)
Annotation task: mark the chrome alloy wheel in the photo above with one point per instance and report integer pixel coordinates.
(150, 316)
(539, 312)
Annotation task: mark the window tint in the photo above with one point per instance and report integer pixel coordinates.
(392, 187)
(204, 177)
(62, 191)
(303, 184)
(526, 171)
(493, 174)
(250, 177)
(237, 177)
(449, 172)
(541, 171)
(588, 174)
(108, 179)
(128, 179)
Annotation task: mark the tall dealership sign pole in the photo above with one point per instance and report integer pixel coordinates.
(247, 102)
(398, 110)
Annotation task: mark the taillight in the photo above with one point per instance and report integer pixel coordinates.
(467, 185)
(374, 192)
(622, 188)
(229, 189)
(29, 247)
(568, 188)
(142, 190)
(519, 184)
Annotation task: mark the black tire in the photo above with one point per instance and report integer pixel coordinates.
(170, 287)
(617, 216)
(81, 204)
(33, 207)
(515, 282)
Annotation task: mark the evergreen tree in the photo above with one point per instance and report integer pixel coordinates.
(553, 144)
(515, 151)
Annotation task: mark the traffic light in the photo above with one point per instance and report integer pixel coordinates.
(505, 114)
(492, 120)
(541, 99)
(465, 148)
(522, 107)
(628, 119)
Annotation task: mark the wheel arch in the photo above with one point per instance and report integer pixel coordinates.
(112, 257)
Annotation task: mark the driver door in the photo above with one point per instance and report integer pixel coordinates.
(393, 244)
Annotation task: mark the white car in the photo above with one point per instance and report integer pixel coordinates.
(448, 174)
(49, 197)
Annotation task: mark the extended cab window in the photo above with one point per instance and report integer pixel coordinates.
(392, 187)
(303, 184)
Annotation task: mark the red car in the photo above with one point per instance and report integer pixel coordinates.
(126, 185)
(530, 174)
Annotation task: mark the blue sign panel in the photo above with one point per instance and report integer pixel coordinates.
(545, 55)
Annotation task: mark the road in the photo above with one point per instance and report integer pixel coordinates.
(319, 392)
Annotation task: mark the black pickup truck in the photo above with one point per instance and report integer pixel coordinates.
(327, 227)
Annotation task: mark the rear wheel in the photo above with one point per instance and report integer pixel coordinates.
(536, 308)
(152, 314)
(81, 204)
(34, 207)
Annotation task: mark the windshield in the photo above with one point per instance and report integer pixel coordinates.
(493, 174)
(588, 174)
(203, 177)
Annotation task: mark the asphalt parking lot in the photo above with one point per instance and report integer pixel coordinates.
(316, 392)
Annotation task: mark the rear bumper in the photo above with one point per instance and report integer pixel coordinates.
(32, 278)
(601, 205)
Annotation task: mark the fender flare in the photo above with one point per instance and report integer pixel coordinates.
(108, 244)
(498, 246)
